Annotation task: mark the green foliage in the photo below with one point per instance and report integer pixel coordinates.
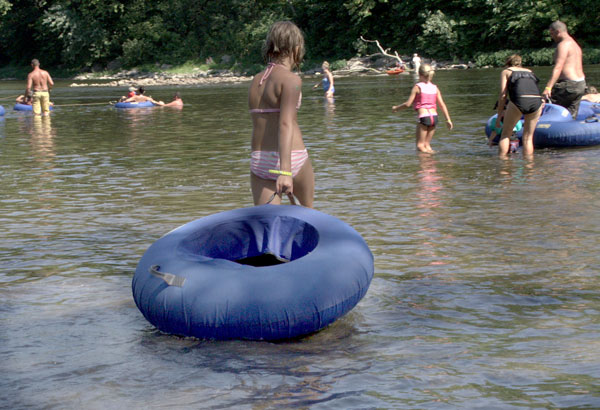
(4, 7)
(543, 56)
(591, 56)
(93, 33)
(494, 59)
(338, 64)
(439, 35)
(536, 57)
(530, 57)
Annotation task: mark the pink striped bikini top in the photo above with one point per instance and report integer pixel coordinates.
(266, 75)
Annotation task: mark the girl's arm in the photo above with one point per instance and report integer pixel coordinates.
(290, 94)
(502, 96)
(562, 52)
(330, 78)
(442, 104)
(407, 103)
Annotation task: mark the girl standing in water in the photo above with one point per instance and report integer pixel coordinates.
(327, 80)
(425, 96)
(279, 161)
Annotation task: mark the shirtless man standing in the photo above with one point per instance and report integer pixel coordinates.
(567, 84)
(39, 82)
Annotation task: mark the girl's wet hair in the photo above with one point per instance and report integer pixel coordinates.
(426, 71)
(284, 39)
(513, 61)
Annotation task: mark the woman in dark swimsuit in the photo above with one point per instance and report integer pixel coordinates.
(520, 85)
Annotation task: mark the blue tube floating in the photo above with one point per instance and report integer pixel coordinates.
(2, 111)
(145, 104)
(269, 272)
(557, 128)
(26, 107)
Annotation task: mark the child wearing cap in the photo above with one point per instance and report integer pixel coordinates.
(130, 94)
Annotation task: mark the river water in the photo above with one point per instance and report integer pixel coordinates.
(486, 288)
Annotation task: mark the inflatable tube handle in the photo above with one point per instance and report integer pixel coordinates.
(169, 278)
(291, 197)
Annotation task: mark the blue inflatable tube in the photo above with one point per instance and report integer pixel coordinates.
(145, 104)
(2, 111)
(587, 109)
(556, 127)
(25, 107)
(269, 272)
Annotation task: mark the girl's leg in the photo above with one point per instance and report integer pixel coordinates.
(422, 137)
(511, 116)
(530, 123)
(262, 190)
(430, 132)
(304, 185)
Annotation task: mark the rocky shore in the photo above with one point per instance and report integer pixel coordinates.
(375, 64)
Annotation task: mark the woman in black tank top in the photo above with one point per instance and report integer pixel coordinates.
(520, 84)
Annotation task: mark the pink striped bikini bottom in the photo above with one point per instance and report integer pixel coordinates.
(262, 161)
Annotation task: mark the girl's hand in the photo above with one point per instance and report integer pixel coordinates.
(449, 124)
(284, 185)
(395, 108)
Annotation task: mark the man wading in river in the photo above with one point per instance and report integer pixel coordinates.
(567, 84)
(40, 82)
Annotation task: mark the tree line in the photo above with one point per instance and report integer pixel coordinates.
(86, 34)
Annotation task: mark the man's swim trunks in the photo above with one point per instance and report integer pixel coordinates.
(41, 102)
(568, 93)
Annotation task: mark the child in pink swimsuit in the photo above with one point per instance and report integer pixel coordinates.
(425, 97)
(279, 162)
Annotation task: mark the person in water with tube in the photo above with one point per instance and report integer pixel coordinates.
(279, 162)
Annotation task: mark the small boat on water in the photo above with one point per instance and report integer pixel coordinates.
(395, 71)
(556, 127)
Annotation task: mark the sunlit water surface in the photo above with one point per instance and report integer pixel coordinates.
(486, 288)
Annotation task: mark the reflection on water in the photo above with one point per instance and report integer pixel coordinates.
(429, 196)
(42, 138)
(485, 292)
(429, 184)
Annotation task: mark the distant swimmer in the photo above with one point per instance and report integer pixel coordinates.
(26, 99)
(130, 93)
(416, 62)
(39, 82)
(176, 103)
(140, 98)
(327, 81)
(592, 95)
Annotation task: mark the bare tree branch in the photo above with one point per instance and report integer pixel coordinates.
(385, 52)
